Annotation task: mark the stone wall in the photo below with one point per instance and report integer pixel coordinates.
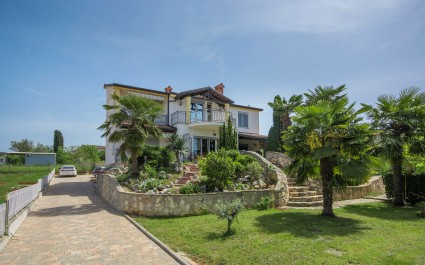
(278, 159)
(282, 181)
(175, 204)
(375, 186)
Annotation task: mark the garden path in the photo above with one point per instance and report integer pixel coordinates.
(71, 224)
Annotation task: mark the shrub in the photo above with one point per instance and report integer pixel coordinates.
(229, 211)
(264, 203)
(190, 188)
(415, 187)
(219, 169)
(149, 184)
(150, 170)
(123, 177)
(254, 170)
(162, 175)
(270, 175)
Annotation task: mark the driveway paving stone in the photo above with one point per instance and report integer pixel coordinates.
(71, 224)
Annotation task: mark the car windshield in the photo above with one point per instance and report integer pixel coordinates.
(68, 168)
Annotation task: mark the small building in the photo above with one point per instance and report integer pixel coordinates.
(2, 160)
(32, 158)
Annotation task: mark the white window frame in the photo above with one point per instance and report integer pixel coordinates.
(240, 121)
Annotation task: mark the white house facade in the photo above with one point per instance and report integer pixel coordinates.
(196, 115)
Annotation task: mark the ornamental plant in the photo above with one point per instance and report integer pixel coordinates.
(230, 212)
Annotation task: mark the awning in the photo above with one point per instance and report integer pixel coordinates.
(166, 128)
(252, 136)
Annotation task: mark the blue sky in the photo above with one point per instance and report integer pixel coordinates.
(56, 55)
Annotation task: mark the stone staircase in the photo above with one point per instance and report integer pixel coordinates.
(192, 171)
(302, 196)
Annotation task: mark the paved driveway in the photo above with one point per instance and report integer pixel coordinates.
(71, 224)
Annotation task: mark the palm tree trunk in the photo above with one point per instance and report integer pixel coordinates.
(178, 163)
(134, 165)
(326, 171)
(398, 196)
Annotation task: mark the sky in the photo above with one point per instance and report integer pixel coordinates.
(57, 55)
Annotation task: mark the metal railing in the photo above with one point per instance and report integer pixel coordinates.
(198, 116)
(19, 199)
(163, 120)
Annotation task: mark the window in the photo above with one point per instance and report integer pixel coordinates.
(243, 119)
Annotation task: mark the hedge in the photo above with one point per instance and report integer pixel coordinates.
(415, 187)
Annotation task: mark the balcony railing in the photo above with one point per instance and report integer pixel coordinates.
(163, 120)
(199, 116)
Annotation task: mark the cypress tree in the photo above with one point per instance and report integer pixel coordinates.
(57, 140)
(228, 138)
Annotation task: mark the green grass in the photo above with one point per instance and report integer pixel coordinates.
(20, 176)
(374, 233)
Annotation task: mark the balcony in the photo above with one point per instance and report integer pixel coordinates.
(212, 117)
(162, 120)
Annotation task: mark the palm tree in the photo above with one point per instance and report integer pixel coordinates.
(130, 124)
(324, 94)
(178, 146)
(329, 141)
(401, 124)
(282, 110)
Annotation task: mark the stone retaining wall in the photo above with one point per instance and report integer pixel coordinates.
(175, 204)
(375, 186)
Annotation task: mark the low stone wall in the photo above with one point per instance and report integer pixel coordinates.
(375, 186)
(175, 204)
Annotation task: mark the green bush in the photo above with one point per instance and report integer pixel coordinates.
(149, 184)
(219, 169)
(155, 156)
(150, 170)
(254, 170)
(264, 203)
(123, 177)
(415, 187)
(190, 188)
(229, 211)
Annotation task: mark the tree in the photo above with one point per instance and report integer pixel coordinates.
(228, 138)
(177, 145)
(57, 140)
(42, 148)
(131, 123)
(324, 94)
(23, 145)
(401, 124)
(282, 110)
(329, 141)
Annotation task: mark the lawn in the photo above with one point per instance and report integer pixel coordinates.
(20, 176)
(374, 233)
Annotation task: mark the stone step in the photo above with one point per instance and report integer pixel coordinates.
(304, 204)
(302, 193)
(306, 198)
(298, 188)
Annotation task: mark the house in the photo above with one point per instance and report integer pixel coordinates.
(196, 115)
(34, 158)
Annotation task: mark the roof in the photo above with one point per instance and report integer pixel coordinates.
(252, 136)
(166, 128)
(246, 107)
(138, 88)
(207, 92)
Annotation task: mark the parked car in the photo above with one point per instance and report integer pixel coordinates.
(98, 170)
(68, 170)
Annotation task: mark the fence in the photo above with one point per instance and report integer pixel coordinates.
(19, 199)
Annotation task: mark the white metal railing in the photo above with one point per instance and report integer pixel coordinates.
(3, 217)
(19, 199)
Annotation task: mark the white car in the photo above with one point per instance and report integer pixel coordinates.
(68, 171)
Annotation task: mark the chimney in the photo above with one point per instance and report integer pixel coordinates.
(168, 89)
(219, 88)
